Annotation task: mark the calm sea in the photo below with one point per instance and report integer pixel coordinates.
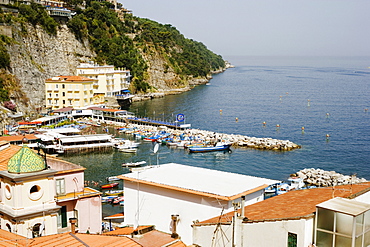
(325, 95)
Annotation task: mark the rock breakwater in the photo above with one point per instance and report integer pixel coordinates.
(213, 137)
(321, 178)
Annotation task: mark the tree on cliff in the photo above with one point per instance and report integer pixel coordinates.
(108, 36)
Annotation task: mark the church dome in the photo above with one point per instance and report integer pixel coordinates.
(26, 160)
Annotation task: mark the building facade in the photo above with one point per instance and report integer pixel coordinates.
(39, 194)
(109, 81)
(172, 196)
(70, 91)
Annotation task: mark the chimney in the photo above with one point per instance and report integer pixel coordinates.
(73, 222)
(175, 219)
(242, 207)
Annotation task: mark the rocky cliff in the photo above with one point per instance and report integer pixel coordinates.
(36, 56)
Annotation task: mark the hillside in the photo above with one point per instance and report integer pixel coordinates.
(33, 47)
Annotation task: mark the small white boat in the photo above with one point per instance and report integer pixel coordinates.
(134, 164)
(128, 150)
(113, 178)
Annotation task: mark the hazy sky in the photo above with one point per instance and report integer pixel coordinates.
(267, 27)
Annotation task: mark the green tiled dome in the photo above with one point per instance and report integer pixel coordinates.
(26, 160)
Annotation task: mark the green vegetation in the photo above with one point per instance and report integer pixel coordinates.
(106, 33)
(186, 56)
(108, 37)
(37, 15)
(4, 56)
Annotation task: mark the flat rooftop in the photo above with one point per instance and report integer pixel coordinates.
(195, 179)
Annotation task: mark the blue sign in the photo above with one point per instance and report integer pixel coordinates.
(180, 117)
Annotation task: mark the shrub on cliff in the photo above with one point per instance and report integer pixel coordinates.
(106, 33)
(37, 15)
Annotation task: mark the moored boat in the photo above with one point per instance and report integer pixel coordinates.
(134, 164)
(218, 147)
(114, 192)
(108, 186)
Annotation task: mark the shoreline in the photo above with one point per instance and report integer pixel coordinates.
(193, 82)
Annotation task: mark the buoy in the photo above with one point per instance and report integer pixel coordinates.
(236, 119)
(366, 109)
(264, 123)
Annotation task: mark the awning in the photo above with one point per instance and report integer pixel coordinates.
(126, 91)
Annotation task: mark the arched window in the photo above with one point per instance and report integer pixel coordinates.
(37, 230)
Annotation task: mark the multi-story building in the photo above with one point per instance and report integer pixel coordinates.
(71, 91)
(109, 81)
(39, 194)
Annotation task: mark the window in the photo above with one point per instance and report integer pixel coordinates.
(292, 239)
(56, 86)
(36, 192)
(64, 102)
(63, 86)
(60, 186)
(8, 192)
(64, 94)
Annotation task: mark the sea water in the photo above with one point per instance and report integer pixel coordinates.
(319, 103)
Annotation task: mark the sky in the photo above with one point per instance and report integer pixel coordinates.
(266, 27)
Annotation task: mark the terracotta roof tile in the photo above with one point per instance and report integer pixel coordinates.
(80, 239)
(292, 205)
(6, 154)
(65, 239)
(156, 239)
(11, 239)
(69, 78)
(106, 241)
(18, 137)
(126, 230)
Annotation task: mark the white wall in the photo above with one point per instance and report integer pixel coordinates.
(255, 234)
(156, 205)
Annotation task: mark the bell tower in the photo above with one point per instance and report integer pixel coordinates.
(27, 191)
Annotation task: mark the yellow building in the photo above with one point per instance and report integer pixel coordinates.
(110, 81)
(71, 91)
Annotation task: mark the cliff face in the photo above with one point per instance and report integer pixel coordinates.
(36, 56)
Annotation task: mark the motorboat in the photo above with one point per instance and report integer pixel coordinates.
(109, 186)
(220, 146)
(114, 193)
(134, 164)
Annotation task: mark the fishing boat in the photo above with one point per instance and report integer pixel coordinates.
(109, 186)
(220, 146)
(114, 193)
(134, 164)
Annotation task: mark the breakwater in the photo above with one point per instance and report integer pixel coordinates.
(213, 137)
(321, 178)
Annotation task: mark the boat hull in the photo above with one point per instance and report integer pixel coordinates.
(209, 149)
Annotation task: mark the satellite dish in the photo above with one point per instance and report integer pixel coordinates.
(156, 147)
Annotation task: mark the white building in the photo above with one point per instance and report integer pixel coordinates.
(172, 196)
(110, 81)
(290, 220)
